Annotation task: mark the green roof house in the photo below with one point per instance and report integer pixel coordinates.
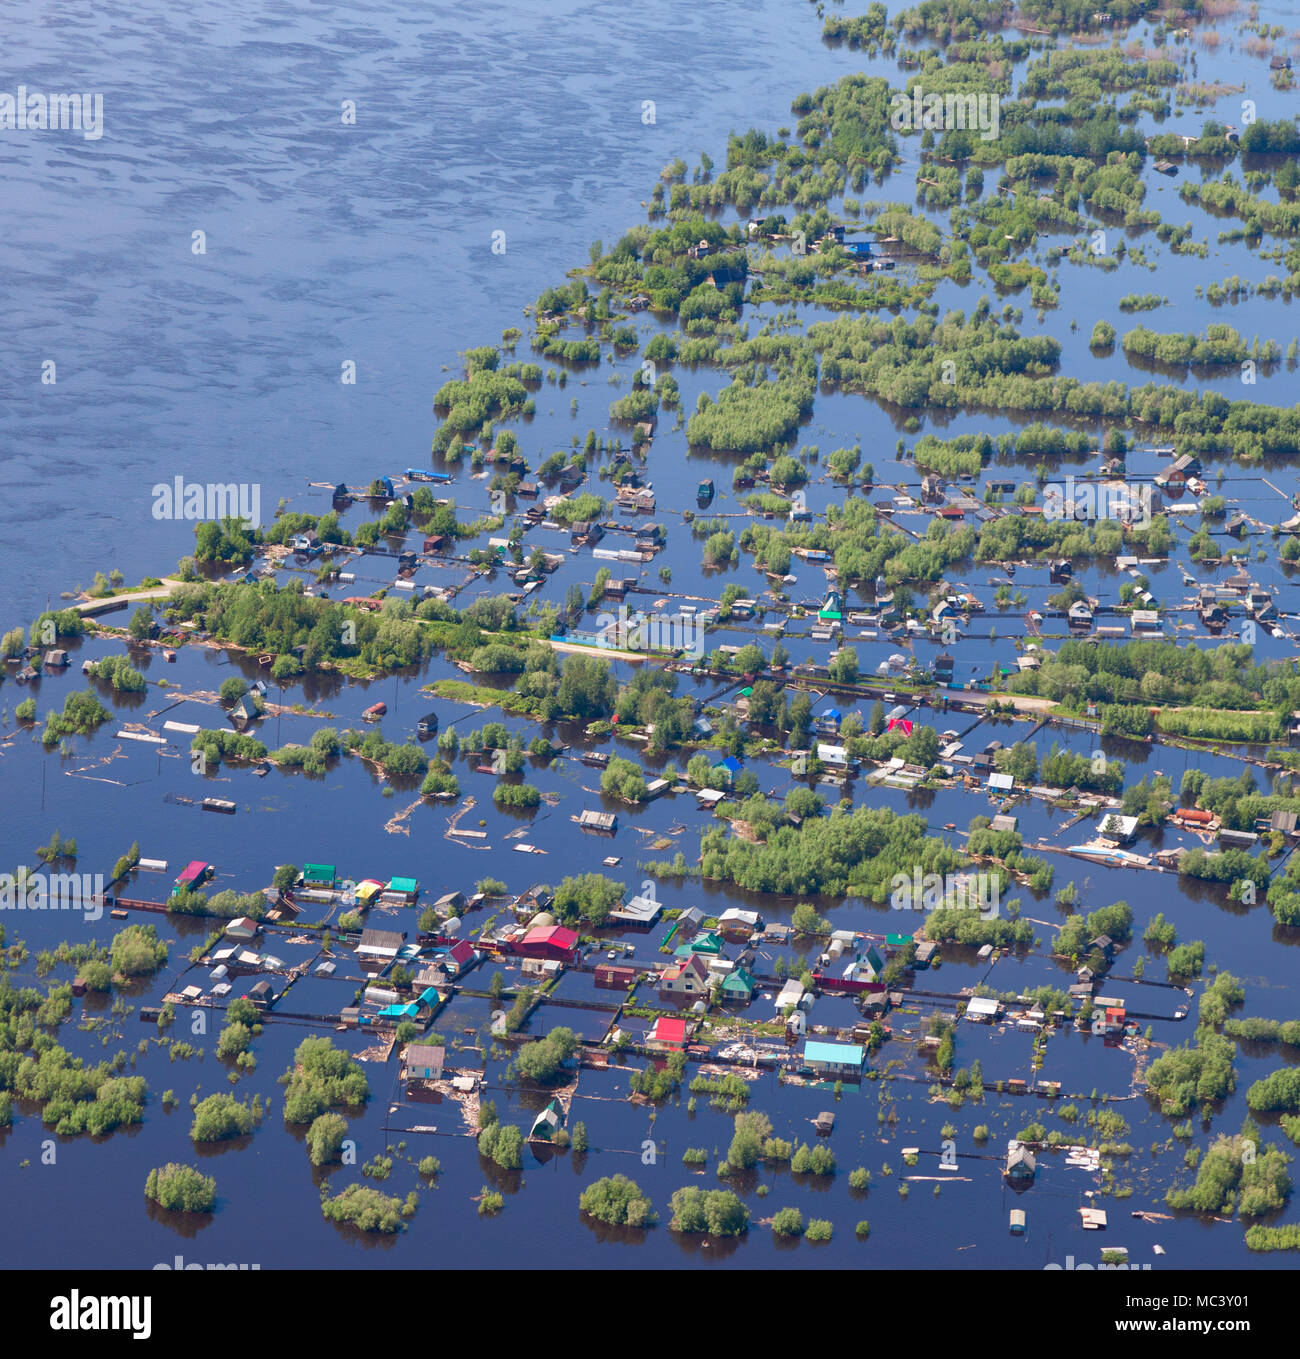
(547, 1123)
(739, 985)
(702, 943)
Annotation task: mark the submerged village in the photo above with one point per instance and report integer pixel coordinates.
(807, 763)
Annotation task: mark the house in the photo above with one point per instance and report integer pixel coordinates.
(549, 941)
(708, 942)
(739, 986)
(242, 927)
(322, 876)
(261, 995)
(824, 1123)
(1060, 571)
(1102, 944)
(1020, 1164)
(367, 890)
(451, 903)
(615, 977)
(427, 725)
(1004, 822)
(1284, 823)
(667, 1033)
(943, 667)
(536, 898)
(834, 1059)
(380, 945)
(925, 953)
(1259, 602)
(1119, 830)
(639, 911)
(192, 876)
(982, 1009)
(547, 1123)
(423, 1062)
(689, 977)
(459, 958)
(56, 659)
(402, 891)
(545, 968)
(374, 712)
(585, 532)
(245, 710)
(793, 993)
(598, 821)
(1144, 620)
(736, 921)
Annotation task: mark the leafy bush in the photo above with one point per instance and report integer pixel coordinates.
(618, 1201)
(181, 1188)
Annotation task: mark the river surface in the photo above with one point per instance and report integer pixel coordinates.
(372, 243)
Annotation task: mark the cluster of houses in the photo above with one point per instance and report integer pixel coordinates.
(700, 969)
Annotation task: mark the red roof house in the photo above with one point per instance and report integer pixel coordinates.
(667, 1033)
(550, 941)
(460, 957)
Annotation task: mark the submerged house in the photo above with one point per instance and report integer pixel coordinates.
(667, 1033)
(380, 946)
(689, 977)
(423, 1062)
(833, 1059)
(547, 1123)
(1020, 1165)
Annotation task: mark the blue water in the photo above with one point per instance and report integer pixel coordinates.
(372, 243)
(324, 243)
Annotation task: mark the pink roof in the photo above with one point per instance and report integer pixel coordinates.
(461, 951)
(668, 1030)
(552, 934)
(192, 870)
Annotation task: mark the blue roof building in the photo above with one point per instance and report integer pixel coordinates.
(834, 1059)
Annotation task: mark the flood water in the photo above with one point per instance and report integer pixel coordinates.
(372, 243)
